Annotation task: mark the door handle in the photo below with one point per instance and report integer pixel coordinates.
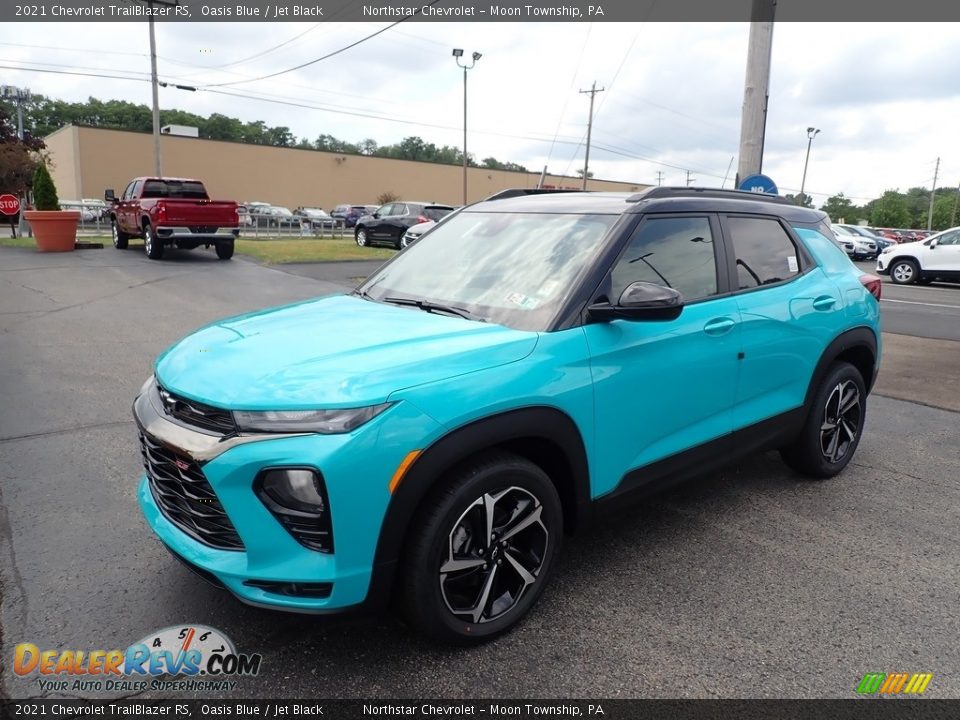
(718, 326)
(824, 302)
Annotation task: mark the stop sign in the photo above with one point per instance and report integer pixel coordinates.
(9, 204)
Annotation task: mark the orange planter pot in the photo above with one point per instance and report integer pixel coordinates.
(54, 230)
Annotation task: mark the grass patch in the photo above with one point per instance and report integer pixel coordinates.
(275, 252)
(271, 252)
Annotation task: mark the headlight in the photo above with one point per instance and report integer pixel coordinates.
(888, 249)
(327, 422)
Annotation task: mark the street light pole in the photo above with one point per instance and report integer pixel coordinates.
(811, 134)
(458, 53)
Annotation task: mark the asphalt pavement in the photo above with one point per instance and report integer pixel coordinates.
(746, 583)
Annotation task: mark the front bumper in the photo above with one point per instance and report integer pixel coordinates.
(883, 264)
(356, 468)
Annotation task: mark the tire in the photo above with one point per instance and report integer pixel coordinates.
(398, 243)
(120, 238)
(924, 280)
(459, 606)
(361, 236)
(225, 250)
(151, 246)
(904, 272)
(834, 426)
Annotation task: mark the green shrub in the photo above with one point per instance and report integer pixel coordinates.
(44, 191)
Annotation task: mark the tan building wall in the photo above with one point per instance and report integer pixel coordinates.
(89, 160)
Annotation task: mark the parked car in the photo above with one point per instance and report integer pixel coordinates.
(936, 258)
(99, 207)
(313, 217)
(881, 242)
(351, 213)
(283, 217)
(87, 213)
(430, 437)
(389, 223)
(857, 246)
(172, 212)
(413, 233)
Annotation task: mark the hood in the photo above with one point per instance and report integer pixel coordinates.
(896, 247)
(338, 351)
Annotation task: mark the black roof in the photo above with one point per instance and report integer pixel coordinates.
(655, 199)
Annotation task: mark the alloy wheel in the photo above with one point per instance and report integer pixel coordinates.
(113, 232)
(903, 272)
(495, 552)
(842, 415)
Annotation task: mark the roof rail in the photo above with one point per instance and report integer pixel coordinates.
(518, 192)
(669, 192)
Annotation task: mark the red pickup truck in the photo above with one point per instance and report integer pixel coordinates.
(172, 211)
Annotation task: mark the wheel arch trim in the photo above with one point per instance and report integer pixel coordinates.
(862, 338)
(543, 423)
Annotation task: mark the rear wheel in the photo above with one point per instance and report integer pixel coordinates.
(481, 549)
(120, 238)
(904, 272)
(833, 428)
(151, 245)
(225, 250)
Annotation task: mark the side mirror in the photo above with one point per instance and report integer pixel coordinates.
(933, 243)
(641, 301)
(377, 214)
(109, 195)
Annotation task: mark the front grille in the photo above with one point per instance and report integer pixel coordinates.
(184, 496)
(197, 414)
(203, 229)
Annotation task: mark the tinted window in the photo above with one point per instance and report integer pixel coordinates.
(676, 252)
(437, 213)
(765, 253)
(174, 189)
(949, 238)
(128, 193)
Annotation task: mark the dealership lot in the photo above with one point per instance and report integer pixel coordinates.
(746, 583)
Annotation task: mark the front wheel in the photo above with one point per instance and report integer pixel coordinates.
(833, 428)
(361, 237)
(225, 250)
(904, 272)
(151, 245)
(481, 549)
(120, 238)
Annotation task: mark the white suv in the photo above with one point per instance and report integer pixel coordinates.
(936, 258)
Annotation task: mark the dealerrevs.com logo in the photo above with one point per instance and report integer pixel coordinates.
(205, 658)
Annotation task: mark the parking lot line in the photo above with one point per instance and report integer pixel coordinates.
(915, 302)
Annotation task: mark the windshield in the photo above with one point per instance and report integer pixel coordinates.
(515, 269)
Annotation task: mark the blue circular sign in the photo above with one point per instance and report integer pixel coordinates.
(759, 184)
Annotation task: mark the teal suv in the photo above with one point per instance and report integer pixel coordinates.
(533, 362)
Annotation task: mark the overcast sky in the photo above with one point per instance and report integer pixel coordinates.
(885, 96)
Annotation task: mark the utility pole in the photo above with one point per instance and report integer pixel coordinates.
(157, 169)
(586, 161)
(19, 97)
(689, 179)
(953, 215)
(659, 177)
(756, 90)
(933, 195)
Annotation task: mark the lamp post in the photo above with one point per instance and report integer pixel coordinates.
(811, 134)
(458, 53)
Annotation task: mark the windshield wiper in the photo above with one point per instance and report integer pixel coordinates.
(428, 306)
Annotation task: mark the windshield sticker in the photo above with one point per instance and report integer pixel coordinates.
(792, 263)
(524, 301)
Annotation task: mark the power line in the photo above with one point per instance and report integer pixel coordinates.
(319, 59)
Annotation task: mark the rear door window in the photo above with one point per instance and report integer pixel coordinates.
(764, 252)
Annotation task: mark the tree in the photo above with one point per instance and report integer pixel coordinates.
(840, 209)
(44, 191)
(890, 210)
(801, 199)
(367, 147)
(580, 173)
(387, 197)
(19, 159)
